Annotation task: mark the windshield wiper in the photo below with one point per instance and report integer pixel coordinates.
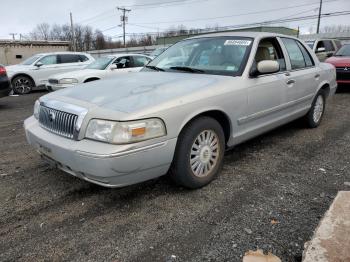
(155, 68)
(187, 69)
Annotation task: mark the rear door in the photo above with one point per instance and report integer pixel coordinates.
(71, 61)
(302, 75)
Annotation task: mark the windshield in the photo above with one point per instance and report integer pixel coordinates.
(158, 51)
(212, 55)
(100, 63)
(343, 51)
(30, 60)
(310, 43)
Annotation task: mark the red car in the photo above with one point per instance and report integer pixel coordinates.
(341, 60)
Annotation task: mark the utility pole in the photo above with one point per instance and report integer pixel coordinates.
(73, 34)
(124, 19)
(319, 17)
(13, 36)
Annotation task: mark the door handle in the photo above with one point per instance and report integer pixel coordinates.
(287, 74)
(290, 82)
(317, 76)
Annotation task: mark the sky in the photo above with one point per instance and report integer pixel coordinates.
(21, 16)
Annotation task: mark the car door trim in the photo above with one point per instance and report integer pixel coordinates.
(264, 113)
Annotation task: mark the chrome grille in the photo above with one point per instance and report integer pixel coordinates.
(58, 122)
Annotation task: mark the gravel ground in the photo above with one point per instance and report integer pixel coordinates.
(271, 194)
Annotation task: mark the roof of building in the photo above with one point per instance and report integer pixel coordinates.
(34, 42)
(333, 35)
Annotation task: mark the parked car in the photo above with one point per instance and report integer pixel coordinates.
(324, 48)
(341, 61)
(101, 68)
(180, 119)
(34, 72)
(5, 86)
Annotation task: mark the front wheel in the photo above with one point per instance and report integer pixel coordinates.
(316, 112)
(199, 153)
(22, 85)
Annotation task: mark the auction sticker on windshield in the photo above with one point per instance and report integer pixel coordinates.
(238, 42)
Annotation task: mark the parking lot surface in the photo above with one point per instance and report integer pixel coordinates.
(271, 194)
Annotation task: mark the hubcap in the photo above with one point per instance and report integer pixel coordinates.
(204, 153)
(22, 85)
(318, 109)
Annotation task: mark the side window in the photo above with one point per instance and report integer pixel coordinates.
(320, 44)
(64, 59)
(123, 62)
(307, 57)
(328, 45)
(295, 54)
(338, 44)
(269, 49)
(140, 61)
(49, 60)
(83, 58)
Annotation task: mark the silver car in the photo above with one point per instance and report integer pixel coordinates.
(200, 97)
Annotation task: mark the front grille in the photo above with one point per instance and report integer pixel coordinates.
(53, 81)
(343, 75)
(58, 122)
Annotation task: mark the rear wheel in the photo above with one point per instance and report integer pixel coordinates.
(199, 153)
(314, 116)
(22, 85)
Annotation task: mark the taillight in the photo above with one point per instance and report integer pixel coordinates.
(2, 70)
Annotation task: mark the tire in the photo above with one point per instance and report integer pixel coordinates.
(314, 117)
(22, 85)
(196, 161)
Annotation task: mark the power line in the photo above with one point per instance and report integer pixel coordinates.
(142, 6)
(235, 15)
(301, 18)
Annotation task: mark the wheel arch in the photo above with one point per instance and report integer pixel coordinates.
(23, 74)
(326, 87)
(217, 114)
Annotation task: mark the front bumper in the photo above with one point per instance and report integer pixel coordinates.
(85, 159)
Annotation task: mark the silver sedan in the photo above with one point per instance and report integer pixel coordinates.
(200, 97)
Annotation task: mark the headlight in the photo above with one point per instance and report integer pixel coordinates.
(125, 132)
(36, 109)
(68, 81)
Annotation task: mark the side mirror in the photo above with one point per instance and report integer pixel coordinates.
(113, 67)
(39, 64)
(320, 50)
(268, 67)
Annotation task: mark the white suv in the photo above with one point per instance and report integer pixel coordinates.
(34, 72)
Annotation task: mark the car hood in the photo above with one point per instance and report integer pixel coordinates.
(138, 91)
(79, 74)
(339, 60)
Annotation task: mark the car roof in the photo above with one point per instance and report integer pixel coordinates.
(62, 53)
(242, 34)
(125, 54)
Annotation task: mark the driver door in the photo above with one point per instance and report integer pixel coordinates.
(44, 68)
(266, 92)
(121, 65)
